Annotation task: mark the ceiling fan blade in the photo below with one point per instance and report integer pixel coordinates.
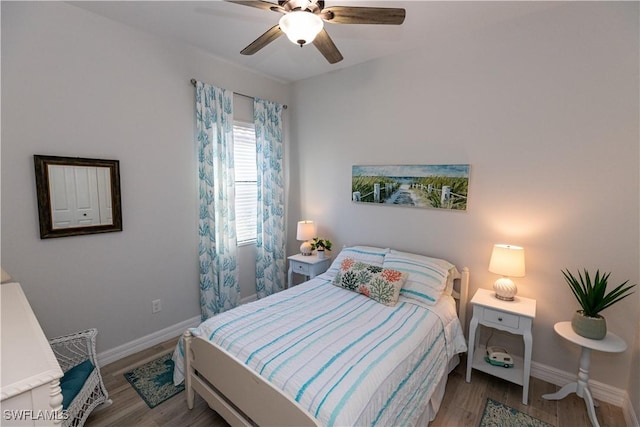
(326, 47)
(270, 35)
(363, 15)
(260, 4)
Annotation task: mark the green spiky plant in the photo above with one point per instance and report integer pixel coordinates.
(593, 296)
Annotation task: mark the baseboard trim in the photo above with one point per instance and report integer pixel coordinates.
(250, 298)
(600, 391)
(142, 343)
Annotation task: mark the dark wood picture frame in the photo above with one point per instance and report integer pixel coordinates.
(47, 230)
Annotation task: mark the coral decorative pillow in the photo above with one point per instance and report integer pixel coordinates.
(380, 284)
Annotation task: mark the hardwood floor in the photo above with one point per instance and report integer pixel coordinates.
(128, 408)
(462, 405)
(463, 402)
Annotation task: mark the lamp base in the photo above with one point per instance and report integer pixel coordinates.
(505, 289)
(305, 248)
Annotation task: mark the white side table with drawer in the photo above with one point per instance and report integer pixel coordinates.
(307, 265)
(515, 317)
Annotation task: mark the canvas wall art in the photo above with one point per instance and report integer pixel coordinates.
(423, 186)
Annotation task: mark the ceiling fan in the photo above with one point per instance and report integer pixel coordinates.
(302, 22)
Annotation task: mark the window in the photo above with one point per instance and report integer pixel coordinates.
(244, 140)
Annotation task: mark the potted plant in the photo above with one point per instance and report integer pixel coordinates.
(593, 298)
(319, 245)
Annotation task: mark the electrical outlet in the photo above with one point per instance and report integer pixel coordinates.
(156, 305)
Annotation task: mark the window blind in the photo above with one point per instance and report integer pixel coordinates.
(244, 140)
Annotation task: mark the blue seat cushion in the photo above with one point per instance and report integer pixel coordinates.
(73, 380)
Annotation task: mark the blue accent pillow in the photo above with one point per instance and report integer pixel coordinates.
(73, 380)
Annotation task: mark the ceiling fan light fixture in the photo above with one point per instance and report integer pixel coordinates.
(301, 27)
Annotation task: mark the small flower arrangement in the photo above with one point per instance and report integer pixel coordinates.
(319, 244)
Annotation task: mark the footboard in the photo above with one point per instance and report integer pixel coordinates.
(239, 395)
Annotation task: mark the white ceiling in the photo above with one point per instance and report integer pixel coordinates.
(223, 29)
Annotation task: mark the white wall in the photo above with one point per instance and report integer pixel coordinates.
(634, 377)
(544, 109)
(76, 84)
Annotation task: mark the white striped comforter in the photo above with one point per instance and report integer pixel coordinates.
(344, 357)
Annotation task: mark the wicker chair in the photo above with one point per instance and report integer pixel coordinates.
(74, 352)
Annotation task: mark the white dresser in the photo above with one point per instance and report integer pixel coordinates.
(30, 385)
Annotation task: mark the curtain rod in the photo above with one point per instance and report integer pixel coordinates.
(193, 82)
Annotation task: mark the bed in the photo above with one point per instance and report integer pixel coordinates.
(335, 350)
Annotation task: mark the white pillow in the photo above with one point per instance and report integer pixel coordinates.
(448, 289)
(367, 254)
(428, 276)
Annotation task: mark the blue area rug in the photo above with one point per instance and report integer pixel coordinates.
(498, 414)
(154, 380)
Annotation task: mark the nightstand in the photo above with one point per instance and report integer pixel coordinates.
(309, 266)
(515, 317)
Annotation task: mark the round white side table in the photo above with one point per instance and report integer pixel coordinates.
(610, 344)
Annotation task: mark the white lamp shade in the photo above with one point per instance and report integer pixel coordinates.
(306, 230)
(507, 260)
(301, 27)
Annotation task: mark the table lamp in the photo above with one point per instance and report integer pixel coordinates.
(506, 260)
(306, 232)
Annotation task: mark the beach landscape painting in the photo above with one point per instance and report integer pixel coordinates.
(422, 186)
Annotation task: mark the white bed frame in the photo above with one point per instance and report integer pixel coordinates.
(244, 398)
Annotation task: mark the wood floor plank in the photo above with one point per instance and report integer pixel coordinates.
(545, 410)
(462, 405)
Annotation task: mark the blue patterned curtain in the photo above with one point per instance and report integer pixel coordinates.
(219, 287)
(270, 266)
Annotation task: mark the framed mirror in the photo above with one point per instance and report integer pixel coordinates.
(77, 196)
